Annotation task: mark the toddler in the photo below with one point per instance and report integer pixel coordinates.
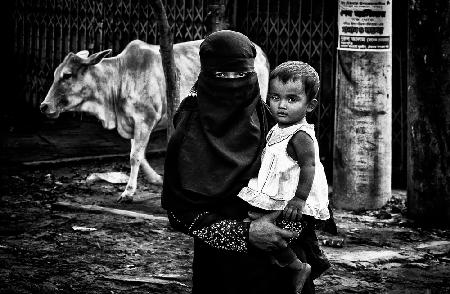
(291, 178)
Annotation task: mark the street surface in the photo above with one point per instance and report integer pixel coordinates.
(48, 248)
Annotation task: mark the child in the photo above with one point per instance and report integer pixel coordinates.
(291, 178)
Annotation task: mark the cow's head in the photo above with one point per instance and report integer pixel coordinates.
(72, 85)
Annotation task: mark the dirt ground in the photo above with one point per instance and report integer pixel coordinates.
(45, 248)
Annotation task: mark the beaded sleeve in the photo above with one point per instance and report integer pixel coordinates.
(222, 234)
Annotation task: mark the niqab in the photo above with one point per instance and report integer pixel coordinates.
(220, 145)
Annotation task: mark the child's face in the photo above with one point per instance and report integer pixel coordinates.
(288, 102)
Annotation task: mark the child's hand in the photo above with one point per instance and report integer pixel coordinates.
(293, 210)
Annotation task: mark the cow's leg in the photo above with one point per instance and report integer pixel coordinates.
(138, 145)
(135, 159)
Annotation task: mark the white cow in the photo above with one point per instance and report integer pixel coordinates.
(128, 92)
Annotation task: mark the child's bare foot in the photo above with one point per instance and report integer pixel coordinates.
(300, 277)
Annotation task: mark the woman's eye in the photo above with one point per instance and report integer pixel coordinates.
(230, 75)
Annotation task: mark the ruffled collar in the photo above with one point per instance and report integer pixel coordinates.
(278, 134)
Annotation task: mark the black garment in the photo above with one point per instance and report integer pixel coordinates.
(227, 51)
(224, 139)
(190, 145)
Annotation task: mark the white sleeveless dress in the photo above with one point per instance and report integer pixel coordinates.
(278, 176)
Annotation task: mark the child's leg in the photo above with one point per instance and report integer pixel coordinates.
(286, 257)
(301, 273)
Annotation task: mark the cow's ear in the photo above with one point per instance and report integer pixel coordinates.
(97, 57)
(83, 54)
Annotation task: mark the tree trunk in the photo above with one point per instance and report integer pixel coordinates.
(171, 72)
(363, 136)
(215, 19)
(429, 112)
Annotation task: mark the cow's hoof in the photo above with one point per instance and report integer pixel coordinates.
(125, 199)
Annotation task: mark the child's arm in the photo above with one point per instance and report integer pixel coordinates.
(303, 147)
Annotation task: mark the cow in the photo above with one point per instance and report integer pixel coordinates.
(128, 92)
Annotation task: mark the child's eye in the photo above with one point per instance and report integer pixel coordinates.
(273, 97)
(292, 99)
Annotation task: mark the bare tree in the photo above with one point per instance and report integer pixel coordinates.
(171, 72)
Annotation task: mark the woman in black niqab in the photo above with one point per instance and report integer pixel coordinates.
(219, 136)
(217, 149)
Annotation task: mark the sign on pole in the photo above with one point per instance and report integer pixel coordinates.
(365, 25)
